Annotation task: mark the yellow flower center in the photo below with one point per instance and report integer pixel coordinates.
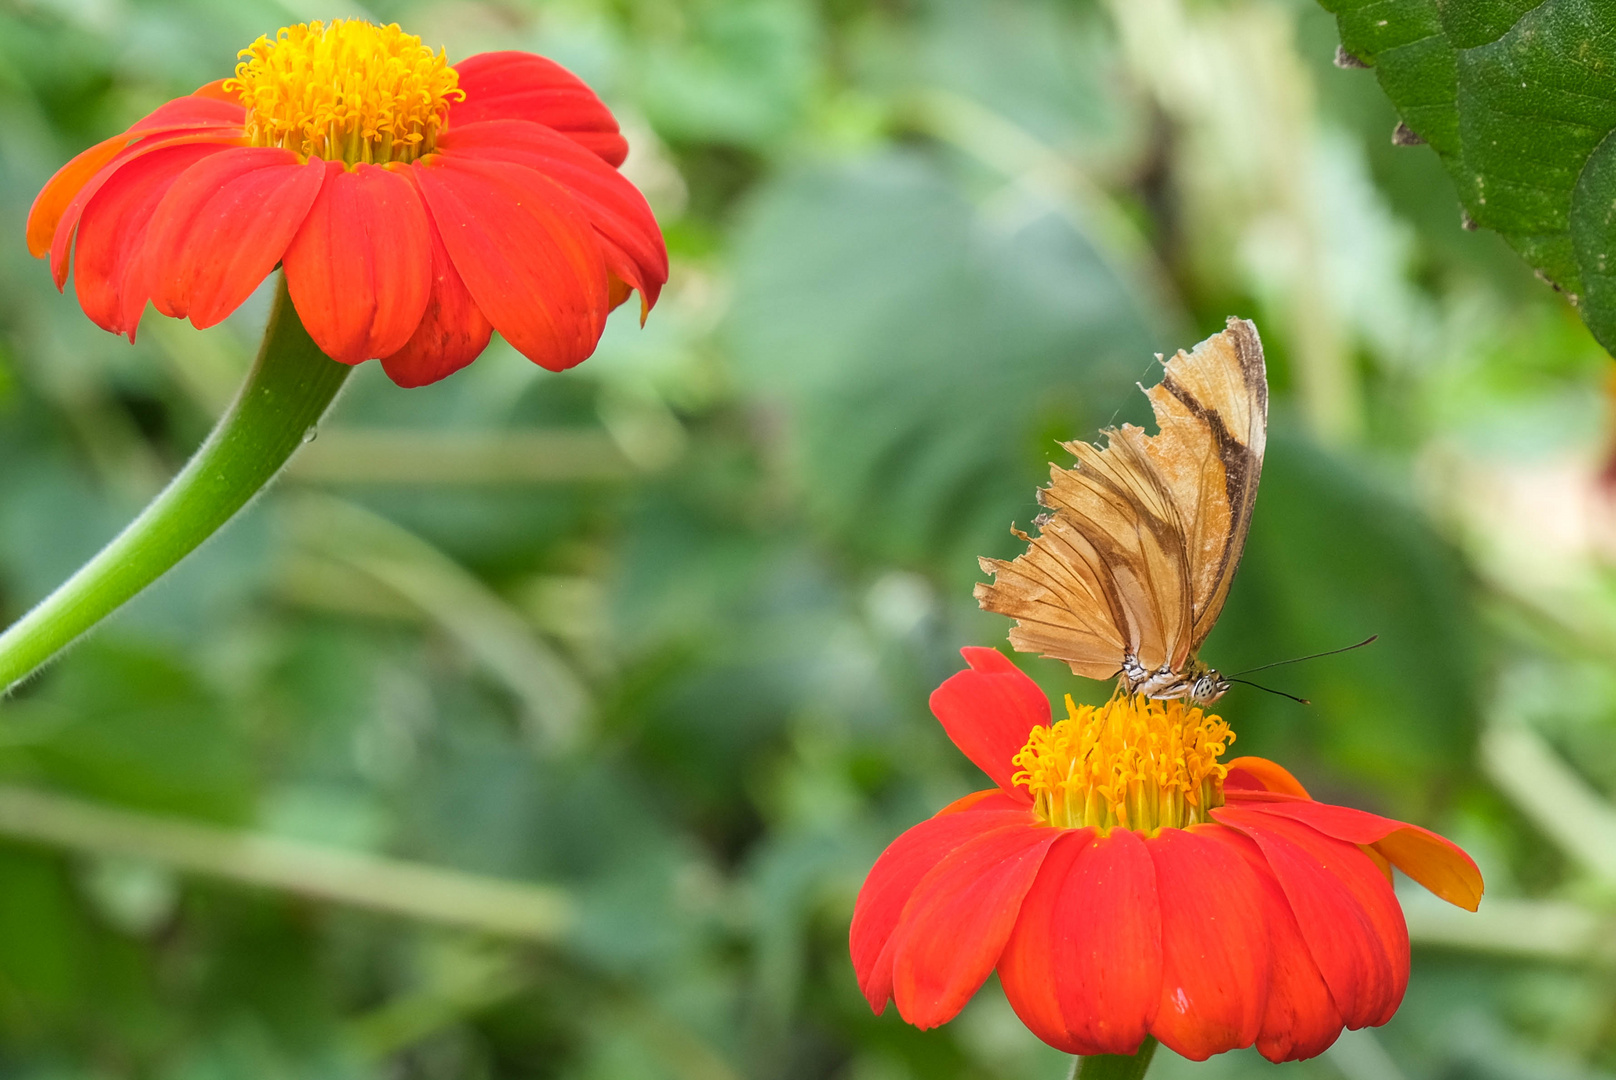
(349, 91)
(1132, 762)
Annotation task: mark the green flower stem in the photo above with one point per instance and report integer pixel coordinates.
(1116, 1066)
(291, 385)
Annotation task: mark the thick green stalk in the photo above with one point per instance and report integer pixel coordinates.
(1116, 1066)
(291, 385)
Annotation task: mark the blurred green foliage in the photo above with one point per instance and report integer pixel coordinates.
(680, 670)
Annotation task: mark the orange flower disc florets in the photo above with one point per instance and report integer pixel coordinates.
(348, 91)
(1133, 762)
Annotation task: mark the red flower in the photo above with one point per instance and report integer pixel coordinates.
(1212, 906)
(414, 206)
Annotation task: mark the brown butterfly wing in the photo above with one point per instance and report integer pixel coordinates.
(1212, 412)
(1143, 537)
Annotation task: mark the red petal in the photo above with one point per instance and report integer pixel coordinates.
(359, 270)
(525, 252)
(952, 932)
(1260, 774)
(991, 799)
(1436, 863)
(216, 89)
(67, 226)
(182, 115)
(1300, 1019)
(112, 229)
(453, 331)
(989, 711)
(1029, 965)
(1347, 912)
(631, 239)
(1215, 947)
(522, 86)
(207, 108)
(1083, 966)
(222, 228)
(892, 881)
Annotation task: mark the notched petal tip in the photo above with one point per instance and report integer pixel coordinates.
(111, 233)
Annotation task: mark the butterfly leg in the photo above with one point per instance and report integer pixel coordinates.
(1165, 683)
(1133, 673)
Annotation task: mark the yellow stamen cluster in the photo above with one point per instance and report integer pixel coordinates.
(349, 91)
(1132, 762)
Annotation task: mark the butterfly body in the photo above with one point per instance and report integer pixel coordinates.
(1196, 685)
(1139, 540)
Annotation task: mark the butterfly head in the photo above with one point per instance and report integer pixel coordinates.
(1205, 685)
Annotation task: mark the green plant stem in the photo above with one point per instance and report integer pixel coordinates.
(1116, 1066)
(289, 388)
(414, 890)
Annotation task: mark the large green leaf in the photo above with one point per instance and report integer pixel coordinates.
(930, 352)
(1518, 98)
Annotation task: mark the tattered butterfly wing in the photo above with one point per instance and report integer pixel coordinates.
(1143, 537)
(1063, 599)
(1107, 576)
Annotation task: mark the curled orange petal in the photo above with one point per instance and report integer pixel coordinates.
(60, 190)
(1260, 774)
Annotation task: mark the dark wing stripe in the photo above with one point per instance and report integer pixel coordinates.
(1242, 469)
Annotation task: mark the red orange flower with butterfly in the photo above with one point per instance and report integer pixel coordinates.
(1128, 884)
(1125, 883)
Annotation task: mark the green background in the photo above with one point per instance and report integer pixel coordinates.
(655, 636)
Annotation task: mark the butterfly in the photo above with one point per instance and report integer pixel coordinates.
(1140, 540)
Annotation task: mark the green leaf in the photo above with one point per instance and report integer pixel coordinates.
(1519, 101)
(930, 350)
(741, 74)
(132, 724)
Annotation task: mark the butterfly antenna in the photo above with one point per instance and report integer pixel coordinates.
(1271, 690)
(1310, 656)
